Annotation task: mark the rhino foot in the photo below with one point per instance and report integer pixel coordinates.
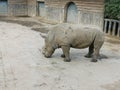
(94, 60)
(63, 56)
(88, 56)
(67, 60)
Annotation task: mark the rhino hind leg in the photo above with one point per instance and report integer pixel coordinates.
(97, 47)
(90, 52)
(95, 55)
(63, 56)
(66, 53)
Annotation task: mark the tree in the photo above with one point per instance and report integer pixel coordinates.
(112, 9)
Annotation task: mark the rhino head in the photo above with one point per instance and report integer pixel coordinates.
(48, 48)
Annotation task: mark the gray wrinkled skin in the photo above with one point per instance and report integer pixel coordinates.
(65, 36)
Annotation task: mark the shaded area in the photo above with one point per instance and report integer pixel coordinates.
(34, 23)
(19, 21)
(112, 39)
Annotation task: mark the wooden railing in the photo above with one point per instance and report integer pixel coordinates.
(112, 27)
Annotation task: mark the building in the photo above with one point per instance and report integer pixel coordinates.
(17, 7)
(84, 12)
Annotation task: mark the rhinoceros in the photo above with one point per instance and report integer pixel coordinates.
(66, 36)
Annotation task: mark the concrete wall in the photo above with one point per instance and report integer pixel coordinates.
(90, 12)
(21, 8)
(91, 18)
(32, 7)
(17, 8)
(55, 14)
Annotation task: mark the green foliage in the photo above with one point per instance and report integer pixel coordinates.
(112, 9)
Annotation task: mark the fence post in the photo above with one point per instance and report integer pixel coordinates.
(109, 27)
(105, 27)
(114, 28)
(118, 33)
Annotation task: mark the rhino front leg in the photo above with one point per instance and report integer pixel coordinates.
(63, 56)
(66, 53)
(90, 52)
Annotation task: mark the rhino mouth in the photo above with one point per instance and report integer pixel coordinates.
(47, 52)
(47, 56)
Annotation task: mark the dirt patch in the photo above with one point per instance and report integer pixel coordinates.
(34, 23)
(113, 86)
(113, 40)
(40, 30)
(46, 20)
(19, 21)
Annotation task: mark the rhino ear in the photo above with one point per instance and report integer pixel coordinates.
(43, 35)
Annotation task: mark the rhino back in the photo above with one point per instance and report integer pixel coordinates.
(79, 37)
(82, 37)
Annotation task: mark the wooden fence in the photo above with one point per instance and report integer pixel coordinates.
(112, 27)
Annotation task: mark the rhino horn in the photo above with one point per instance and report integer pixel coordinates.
(43, 35)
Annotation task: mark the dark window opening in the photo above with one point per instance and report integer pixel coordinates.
(3, 0)
(107, 27)
(116, 28)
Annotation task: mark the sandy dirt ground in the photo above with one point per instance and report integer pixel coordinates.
(23, 67)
